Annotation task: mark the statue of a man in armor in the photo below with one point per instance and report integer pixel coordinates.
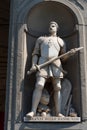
(47, 47)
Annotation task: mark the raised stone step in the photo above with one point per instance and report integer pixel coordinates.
(52, 119)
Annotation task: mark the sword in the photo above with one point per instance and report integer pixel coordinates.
(38, 67)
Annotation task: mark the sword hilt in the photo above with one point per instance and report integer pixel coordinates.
(33, 69)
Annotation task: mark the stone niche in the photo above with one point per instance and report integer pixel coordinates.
(34, 17)
(38, 20)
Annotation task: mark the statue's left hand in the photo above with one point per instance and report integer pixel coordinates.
(72, 52)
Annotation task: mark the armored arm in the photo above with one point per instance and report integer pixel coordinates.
(35, 56)
(34, 60)
(63, 50)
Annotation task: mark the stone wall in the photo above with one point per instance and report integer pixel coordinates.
(18, 55)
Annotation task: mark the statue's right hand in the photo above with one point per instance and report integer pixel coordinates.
(32, 69)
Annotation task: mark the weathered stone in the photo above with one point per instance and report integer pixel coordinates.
(52, 119)
(37, 14)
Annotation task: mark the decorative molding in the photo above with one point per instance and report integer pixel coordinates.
(77, 3)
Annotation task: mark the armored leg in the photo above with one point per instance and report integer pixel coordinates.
(57, 96)
(37, 95)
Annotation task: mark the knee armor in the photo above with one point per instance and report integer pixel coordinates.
(40, 85)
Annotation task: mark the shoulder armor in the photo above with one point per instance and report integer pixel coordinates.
(60, 41)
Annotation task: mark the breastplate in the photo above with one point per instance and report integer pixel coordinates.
(50, 48)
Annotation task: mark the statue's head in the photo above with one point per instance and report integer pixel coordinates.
(53, 27)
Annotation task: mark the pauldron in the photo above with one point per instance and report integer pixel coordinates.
(36, 52)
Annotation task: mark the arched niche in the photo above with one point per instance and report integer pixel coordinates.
(37, 21)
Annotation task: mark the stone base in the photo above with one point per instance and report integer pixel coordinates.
(52, 119)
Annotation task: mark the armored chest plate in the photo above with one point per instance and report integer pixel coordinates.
(50, 47)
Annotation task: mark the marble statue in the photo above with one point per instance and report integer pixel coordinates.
(46, 48)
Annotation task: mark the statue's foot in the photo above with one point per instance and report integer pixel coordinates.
(43, 114)
(30, 114)
(60, 115)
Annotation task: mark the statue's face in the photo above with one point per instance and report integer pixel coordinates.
(52, 28)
